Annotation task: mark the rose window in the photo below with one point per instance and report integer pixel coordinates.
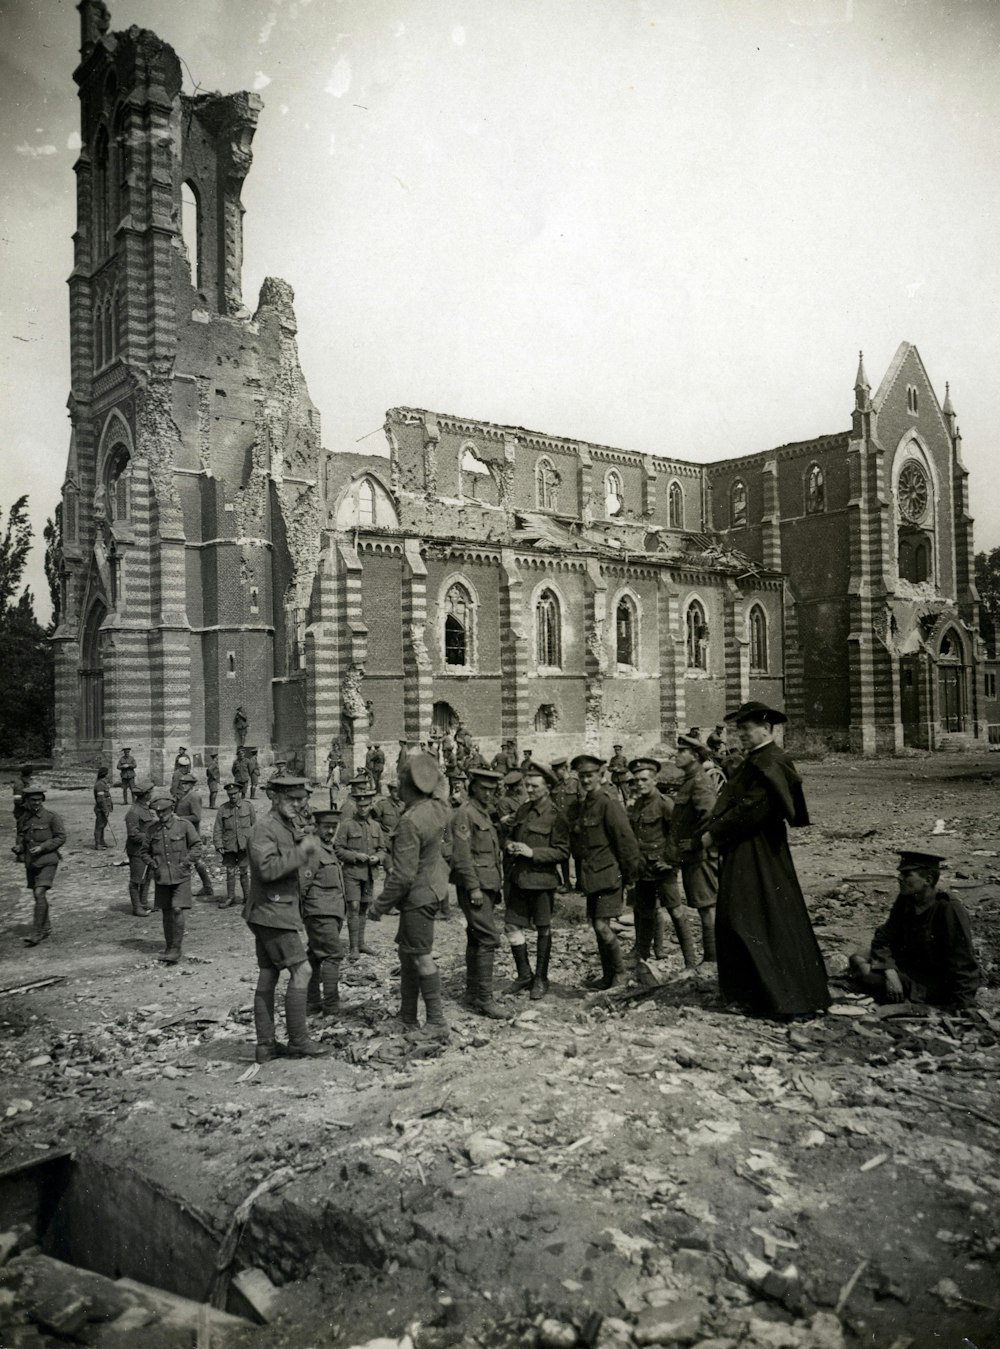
(912, 493)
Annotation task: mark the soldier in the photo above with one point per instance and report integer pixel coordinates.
(182, 765)
(694, 802)
(21, 787)
(526, 762)
(458, 782)
(657, 889)
(360, 846)
(241, 724)
(387, 810)
(509, 801)
(536, 841)
(375, 764)
(213, 774)
(231, 839)
(39, 838)
(565, 794)
(618, 768)
(189, 808)
(241, 772)
(401, 758)
(607, 859)
(138, 819)
(253, 768)
(476, 872)
(126, 773)
(103, 807)
(170, 847)
(279, 848)
(474, 759)
(416, 884)
(323, 910)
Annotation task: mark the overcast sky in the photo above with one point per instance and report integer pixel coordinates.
(667, 225)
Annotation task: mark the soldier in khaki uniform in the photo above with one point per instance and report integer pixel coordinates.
(476, 872)
(693, 805)
(565, 795)
(171, 847)
(388, 811)
(103, 806)
(213, 775)
(279, 848)
(126, 773)
(360, 846)
(231, 839)
(40, 835)
(536, 841)
(189, 808)
(657, 890)
(323, 910)
(138, 819)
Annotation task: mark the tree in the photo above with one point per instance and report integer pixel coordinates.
(53, 562)
(988, 585)
(27, 682)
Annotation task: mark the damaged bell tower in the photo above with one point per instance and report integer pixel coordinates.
(190, 505)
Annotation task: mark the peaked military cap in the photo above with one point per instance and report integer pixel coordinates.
(188, 777)
(538, 770)
(423, 772)
(909, 859)
(694, 745)
(586, 762)
(616, 747)
(142, 788)
(161, 797)
(126, 748)
(560, 763)
(642, 762)
(321, 816)
(32, 791)
(287, 782)
(362, 786)
(233, 784)
(485, 775)
(513, 778)
(755, 711)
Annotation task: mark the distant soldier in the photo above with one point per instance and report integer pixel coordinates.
(323, 910)
(231, 838)
(536, 841)
(182, 765)
(694, 802)
(253, 768)
(126, 773)
(506, 805)
(171, 847)
(39, 839)
(401, 757)
(526, 762)
(21, 787)
(279, 848)
(213, 775)
(657, 888)
(474, 759)
(189, 808)
(375, 764)
(476, 873)
(607, 859)
(138, 820)
(416, 883)
(387, 810)
(618, 769)
(103, 807)
(458, 782)
(241, 772)
(241, 724)
(360, 846)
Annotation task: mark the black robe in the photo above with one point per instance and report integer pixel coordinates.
(767, 951)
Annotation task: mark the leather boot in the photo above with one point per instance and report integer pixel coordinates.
(604, 979)
(362, 920)
(616, 964)
(523, 966)
(660, 933)
(299, 1044)
(435, 1026)
(137, 894)
(685, 937)
(314, 990)
(708, 931)
(167, 915)
(230, 889)
(471, 995)
(40, 927)
(540, 983)
(245, 885)
(178, 922)
(643, 933)
(268, 1047)
(409, 992)
(329, 973)
(353, 918)
(206, 881)
(483, 994)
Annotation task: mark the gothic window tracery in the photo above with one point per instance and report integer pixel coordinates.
(548, 630)
(696, 636)
(366, 503)
(912, 492)
(738, 504)
(459, 617)
(546, 484)
(758, 640)
(119, 485)
(613, 498)
(626, 632)
(675, 505)
(815, 491)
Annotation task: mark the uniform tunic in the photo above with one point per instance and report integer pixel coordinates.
(657, 883)
(323, 904)
(417, 882)
(189, 807)
(241, 774)
(45, 832)
(767, 951)
(171, 850)
(530, 882)
(694, 802)
(231, 833)
(476, 865)
(103, 805)
(388, 813)
(605, 851)
(126, 769)
(932, 951)
(181, 765)
(138, 821)
(354, 842)
(275, 859)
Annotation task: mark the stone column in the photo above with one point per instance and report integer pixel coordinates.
(513, 647)
(671, 648)
(417, 695)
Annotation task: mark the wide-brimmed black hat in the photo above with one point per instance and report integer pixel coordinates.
(755, 711)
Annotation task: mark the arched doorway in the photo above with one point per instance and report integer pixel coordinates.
(444, 718)
(951, 681)
(92, 676)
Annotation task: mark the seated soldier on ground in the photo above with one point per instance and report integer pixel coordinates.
(923, 952)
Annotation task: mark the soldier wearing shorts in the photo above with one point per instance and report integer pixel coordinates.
(170, 848)
(231, 838)
(40, 836)
(607, 859)
(360, 846)
(536, 842)
(323, 910)
(416, 885)
(279, 848)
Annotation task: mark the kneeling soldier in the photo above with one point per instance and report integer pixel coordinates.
(361, 848)
(40, 835)
(475, 870)
(231, 837)
(323, 910)
(923, 951)
(171, 847)
(279, 847)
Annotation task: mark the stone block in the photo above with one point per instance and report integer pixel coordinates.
(677, 1323)
(258, 1292)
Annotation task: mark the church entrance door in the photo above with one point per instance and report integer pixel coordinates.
(950, 691)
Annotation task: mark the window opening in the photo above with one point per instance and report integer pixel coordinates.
(675, 501)
(548, 634)
(696, 633)
(191, 231)
(546, 482)
(815, 491)
(738, 504)
(625, 632)
(758, 640)
(613, 499)
(366, 503)
(546, 717)
(458, 626)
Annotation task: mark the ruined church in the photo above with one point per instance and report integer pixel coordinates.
(560, 593)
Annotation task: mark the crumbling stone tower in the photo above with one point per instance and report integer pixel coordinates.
(191, 505)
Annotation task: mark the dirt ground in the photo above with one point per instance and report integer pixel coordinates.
(597, 1170)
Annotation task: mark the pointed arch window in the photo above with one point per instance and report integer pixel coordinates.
(119, 484)
(191, 230)
(366, 503)
(613, 494)
(675, 505)
(548, 630)
(459, 618)
(758, 640)
(546, 484)
(815, 490)
(627, 632)
(696, 636)
(738, 504)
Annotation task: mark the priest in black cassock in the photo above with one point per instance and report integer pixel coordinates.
(769, 959)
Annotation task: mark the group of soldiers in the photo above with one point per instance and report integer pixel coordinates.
(504, 838)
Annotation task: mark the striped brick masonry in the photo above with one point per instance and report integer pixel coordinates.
(417, 700)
